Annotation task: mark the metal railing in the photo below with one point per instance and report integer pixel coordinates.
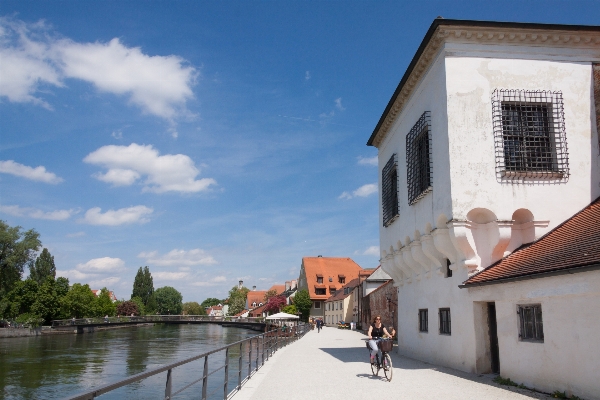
(252, 353)
(150, 319)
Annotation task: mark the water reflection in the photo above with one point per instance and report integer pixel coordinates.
(55, 366)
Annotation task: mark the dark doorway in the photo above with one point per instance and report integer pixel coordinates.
(493, 331)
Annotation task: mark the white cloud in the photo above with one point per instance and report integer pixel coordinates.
(372, 251)
(32, 57)
(130, 215)
(127, 164)
(307, 76)
(118, 134)
(169, 276)
(178, 257)
(363, 191)
(76, 234)
(368, 161)
(35, 174)
(338, 104)
(73, 275)
(101, 265)
(57, 215)
(104, 283)
(211, 282)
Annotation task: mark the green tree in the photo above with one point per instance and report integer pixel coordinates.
(140, 306)
(151, 307)
(21, 298)
(48, 301)
(303, 304)
(80, 302)
(17, 249)
(105, 305)
(62, 286)
(143, 285)
(211, 301)
(269, 294)
(168, 301)
(291, 309)
(193, 308)
(43, 267)
(237, 299)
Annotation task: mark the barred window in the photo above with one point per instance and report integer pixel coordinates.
(423, 320)
(445, 326)
(531, 326)
(418, 159)
(389, 191)
(529, 135)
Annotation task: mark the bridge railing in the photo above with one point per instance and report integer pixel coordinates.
(149, 319)
(237, 362)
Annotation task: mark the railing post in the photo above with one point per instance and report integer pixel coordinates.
(257, 351)
(169, 385)
(262, 362)
(277, 340)
(205, 378)
(240, 368)
(249, 358)
(226, 374)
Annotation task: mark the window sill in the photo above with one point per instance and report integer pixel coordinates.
(531, 340)
(445, 334)
(533, 174)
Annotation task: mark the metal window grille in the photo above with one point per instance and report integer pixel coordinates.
(423, 320)
(531, 326)
(445, 325)
(418, 159)
(529, 135)
(389, 191)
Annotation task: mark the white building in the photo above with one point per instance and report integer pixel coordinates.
(489, 142)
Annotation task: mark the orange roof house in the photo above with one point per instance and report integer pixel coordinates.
(324, 277)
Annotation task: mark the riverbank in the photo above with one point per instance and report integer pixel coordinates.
(334, 364)
(6, 333)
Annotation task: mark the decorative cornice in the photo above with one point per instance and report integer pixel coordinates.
(476, 32)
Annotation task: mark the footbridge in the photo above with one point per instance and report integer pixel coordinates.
(82, 325)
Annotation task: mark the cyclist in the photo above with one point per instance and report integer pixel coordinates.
(375, 333)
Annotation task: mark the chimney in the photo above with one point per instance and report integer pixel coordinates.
(288, 285)
(253, 288)
(241, 283)
(319, 255)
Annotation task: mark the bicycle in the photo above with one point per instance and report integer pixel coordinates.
(385, 345)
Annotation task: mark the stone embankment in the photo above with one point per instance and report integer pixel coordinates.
(46, 330)
(334, 364)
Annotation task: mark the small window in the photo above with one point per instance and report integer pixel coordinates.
(342, 279)
(320, 291)
(445, 326)
(260, 304)
(529, 135)
(254, 304)
(531, 326)
(317, 304)
(423, 320)
(448, 272)
(389, 191)
(418, 159)
(332, 291)
(319, 279)
(330, 279)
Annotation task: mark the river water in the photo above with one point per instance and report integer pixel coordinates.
(56, 366)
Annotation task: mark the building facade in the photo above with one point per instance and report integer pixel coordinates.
(489, 142)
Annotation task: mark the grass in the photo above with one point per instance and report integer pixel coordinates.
(563, 395)
(507, 382)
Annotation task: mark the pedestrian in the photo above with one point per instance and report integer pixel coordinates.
(319, 325)
(106, 319)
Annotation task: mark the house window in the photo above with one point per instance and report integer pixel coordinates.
(423, 320)
(317, 304)
(418, 159)
(254, 304)
(389, 191)
(319, 279)
(320, 291)
(332, 291)
(342, 279)
(445, 328)
(531, 326)
(448, 272)
(529, 135)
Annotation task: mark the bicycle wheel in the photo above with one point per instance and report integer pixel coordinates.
(387, 367)
(375, 366)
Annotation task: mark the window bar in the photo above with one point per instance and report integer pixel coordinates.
(419, 159)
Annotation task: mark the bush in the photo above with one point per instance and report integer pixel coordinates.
(127, 308)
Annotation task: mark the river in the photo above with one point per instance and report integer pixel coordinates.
(56, 366)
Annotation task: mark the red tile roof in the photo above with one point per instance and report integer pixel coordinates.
(328, 267)
(256, 296)
(340, 295)
(573, 244)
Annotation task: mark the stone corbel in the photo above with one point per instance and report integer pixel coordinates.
(388, 266)
(410, 262)
(460, 236)
(399, 260)
(504, 234)
(443, 244)
(435, 257)
(420, 257)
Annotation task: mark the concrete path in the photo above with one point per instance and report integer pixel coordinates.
(334, 364)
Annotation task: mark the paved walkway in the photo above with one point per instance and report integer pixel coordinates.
(334, 364)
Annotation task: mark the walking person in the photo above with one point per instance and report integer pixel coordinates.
(319, 324)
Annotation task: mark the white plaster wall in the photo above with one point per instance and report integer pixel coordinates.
(430, 96)
(470, 82)
(569, 358)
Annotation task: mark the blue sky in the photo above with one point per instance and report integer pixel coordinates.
(211, 141)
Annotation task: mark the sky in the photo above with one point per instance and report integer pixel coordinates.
(210, 141)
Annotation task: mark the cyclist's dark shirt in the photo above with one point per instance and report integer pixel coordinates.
(376, 332)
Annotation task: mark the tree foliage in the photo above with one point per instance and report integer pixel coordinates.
(291, 309)
(80, 302)
(193, 308)
(21, 298)
(48, 302)
(140, 305)
(104, 304)
(269, 294)
(17, 249)
(127, 308)
(143, 285)
(303, 304)
(168, 301)
(275, 303)
(211, 301)
(237, 299)
(43, 267)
